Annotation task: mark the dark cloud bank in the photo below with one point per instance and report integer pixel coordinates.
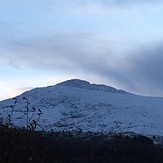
(139, 71)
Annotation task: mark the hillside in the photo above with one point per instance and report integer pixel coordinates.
(79, 105)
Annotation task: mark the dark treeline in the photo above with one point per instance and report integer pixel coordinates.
(20, 145)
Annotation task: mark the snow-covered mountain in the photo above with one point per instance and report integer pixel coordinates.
(79, 105)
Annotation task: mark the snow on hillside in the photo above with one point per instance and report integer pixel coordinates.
(79, 105)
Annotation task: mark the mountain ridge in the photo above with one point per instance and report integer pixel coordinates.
(78, 83)
(79, 105)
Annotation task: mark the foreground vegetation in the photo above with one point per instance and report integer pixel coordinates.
(27, 145)
(22, 145)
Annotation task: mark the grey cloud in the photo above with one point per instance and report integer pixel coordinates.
(146, 67)
(140, 71)
(70, 53)
(58, 51)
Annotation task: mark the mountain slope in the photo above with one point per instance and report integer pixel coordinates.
(79, 105)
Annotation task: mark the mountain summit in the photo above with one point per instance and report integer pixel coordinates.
(78, 105)
(77, 83)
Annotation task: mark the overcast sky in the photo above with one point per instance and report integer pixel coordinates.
(113, 42)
